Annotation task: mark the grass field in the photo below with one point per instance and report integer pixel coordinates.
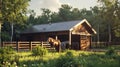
(68, 58)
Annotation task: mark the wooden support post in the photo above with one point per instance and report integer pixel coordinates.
(90, 42)
(17, 46)
(56, 37)
(30, 46)
(69, 39)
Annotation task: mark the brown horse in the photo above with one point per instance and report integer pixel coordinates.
(54, 43)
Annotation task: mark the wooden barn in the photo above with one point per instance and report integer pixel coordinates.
(77, 33)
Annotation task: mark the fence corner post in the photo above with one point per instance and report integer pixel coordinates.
(30, 46)
(17, 46)
(2, 44)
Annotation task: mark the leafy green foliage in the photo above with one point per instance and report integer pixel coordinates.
(39, 51)
(111, 9)
(66, 60)
(98, 15)
(6, 54)
(5, 36)
(70, 58)
(14, 11)
(111, 51)
(8, 64)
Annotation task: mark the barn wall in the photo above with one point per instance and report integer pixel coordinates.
(25, 37)
(75, 42)
(85, 42)
(63, 38)
(62, 35)
(39, 37)
(33, 37)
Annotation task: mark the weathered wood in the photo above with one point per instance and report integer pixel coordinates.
(27, 45)
(42, 43)
(30, 46)
(17, 46)
(70, 38)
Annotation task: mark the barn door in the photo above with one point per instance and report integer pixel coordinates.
(75, 42)
(84, 42)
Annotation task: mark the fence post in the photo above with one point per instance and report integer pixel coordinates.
(17, 46)
(30, 45)
(2, 44)
(42, 44)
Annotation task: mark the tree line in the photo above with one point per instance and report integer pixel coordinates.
(105, 18)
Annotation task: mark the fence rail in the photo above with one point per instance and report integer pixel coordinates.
(103, 44)
(26, 45)
(18, 45)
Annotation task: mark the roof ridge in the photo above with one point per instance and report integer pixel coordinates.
(57, 22)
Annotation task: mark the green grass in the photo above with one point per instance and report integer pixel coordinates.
(69, 58)
(65, 59)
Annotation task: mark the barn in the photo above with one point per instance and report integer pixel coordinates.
(77, 33)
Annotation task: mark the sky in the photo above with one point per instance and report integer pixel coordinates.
(53, 5)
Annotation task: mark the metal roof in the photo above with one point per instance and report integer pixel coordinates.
(52, 27)
(59, 26)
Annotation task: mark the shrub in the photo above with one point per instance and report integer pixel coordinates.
(38, 50)
(111, 51)
(70, 53)
(67, 60)
(6, 54)
(8, 64)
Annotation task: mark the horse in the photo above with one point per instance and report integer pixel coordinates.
(55, 43)
(65, 45)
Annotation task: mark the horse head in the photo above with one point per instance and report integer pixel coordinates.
(50, 39)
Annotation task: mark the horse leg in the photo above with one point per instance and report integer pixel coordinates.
(59, 47)
(56, 48)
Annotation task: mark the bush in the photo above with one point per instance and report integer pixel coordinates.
(6, 54)
(67, 60)
(111, 51)
(8, 64)
(38, 50)
(70, 52)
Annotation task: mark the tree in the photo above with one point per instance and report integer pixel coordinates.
(31, 18)
(76, 14)
(55, 17)
(0, 20)
(14, 12)
(65, 12)
(45, 17)
(111, 15)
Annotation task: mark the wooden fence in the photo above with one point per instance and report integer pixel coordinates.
(103, 44)
(27, 45)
